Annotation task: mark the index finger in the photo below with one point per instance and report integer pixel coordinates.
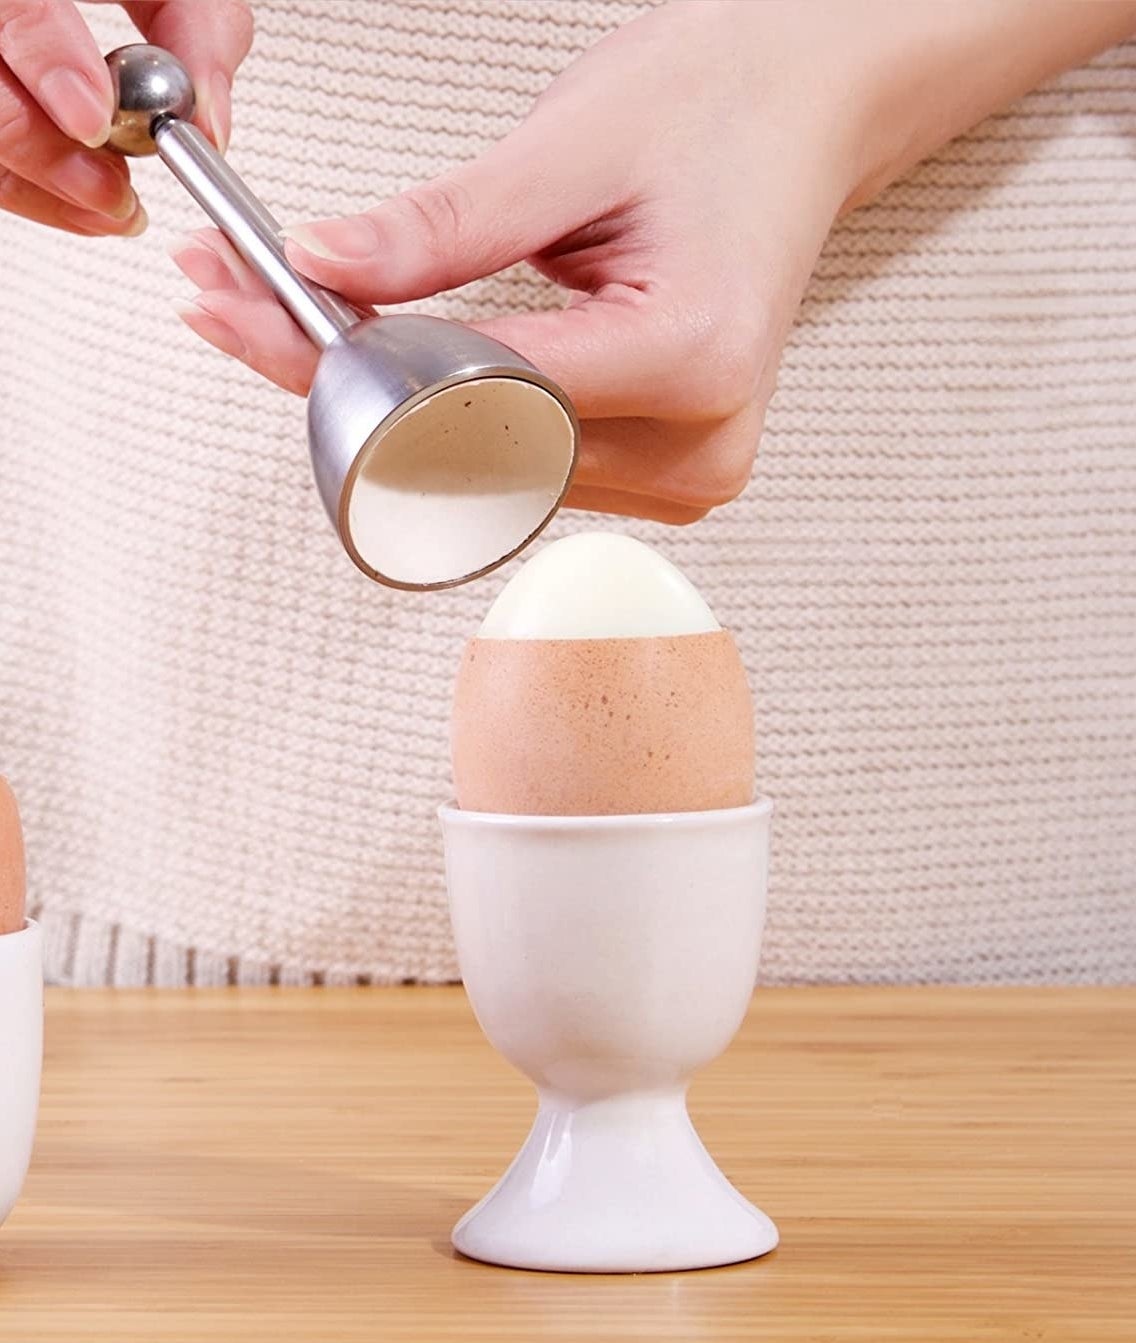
(50, 50)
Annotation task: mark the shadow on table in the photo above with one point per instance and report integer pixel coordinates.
(92, 1184)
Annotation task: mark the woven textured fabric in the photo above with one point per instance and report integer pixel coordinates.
(229, 746)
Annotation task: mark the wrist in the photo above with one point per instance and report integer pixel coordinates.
(927, 72)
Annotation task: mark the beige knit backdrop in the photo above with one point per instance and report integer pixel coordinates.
(229, 746)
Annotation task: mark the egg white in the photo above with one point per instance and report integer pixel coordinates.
(597, 585)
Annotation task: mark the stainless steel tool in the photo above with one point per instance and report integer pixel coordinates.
(438, 452)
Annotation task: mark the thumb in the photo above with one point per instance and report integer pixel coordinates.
(524, 194)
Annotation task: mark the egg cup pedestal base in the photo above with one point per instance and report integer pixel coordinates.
(609, 958)
(612, 1186)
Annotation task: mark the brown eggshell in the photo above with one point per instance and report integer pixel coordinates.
(11, 863)
(593, 727)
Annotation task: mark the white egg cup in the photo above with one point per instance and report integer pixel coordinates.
(608, 958)
(21, 1054)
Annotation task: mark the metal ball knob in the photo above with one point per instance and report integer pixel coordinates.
(149, 83)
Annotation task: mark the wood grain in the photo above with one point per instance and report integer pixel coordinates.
(285, 1165)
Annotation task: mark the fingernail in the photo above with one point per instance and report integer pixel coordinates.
(211, 328)
(215, 105)
(197, 262)
(76, 106)
(335, 239)
(91, 222)
(130, 206)
(184, 242)
(91, 183)
(138, 224)
(187, 245)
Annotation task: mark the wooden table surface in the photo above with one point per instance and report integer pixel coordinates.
(286, 1165)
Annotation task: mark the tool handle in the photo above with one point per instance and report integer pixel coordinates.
(243, 219)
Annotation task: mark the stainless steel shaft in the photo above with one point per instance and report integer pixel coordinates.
(250, 227)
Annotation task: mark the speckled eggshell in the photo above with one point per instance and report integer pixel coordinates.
(11, 863)
(592, 727)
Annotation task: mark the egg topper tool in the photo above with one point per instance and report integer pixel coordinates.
(439, 453)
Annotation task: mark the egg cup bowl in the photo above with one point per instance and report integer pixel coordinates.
(21, 1052)
(608, 958)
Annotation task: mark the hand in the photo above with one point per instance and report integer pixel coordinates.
(56, 104)
(677, 188)
(678, 181)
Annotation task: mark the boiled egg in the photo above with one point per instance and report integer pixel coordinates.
(11, 863)
(600, 683)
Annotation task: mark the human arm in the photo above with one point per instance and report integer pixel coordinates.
(678, 181)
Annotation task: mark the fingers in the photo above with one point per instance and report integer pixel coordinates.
(638, 462)
(630, 468)
(55, 91)
(21, 197)
(211, 40)
(623, 352)
(637, 468)
(51, 52)
(210, 261)
(238, 314)
(590, 500)
(245, 328)
(689, 468)
(644, 468)
(33, 148)
(617, 355)
(517, 199)
(258, 332)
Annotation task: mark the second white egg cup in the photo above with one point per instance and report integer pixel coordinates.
(608, 958)
(21, 1051)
